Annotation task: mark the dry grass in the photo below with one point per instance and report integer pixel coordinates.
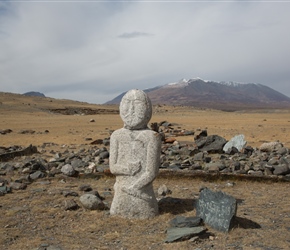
(36, 215)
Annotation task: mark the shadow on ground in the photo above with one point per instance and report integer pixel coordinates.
(175, 205)
(244, 223)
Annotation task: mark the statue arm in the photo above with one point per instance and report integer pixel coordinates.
(118, 169)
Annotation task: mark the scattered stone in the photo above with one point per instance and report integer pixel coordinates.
(237, 141)
(163, 190)
(5, 131)
(281, 170)
(17, 185)
(270, 146)
(211, 144)
(92, 202)
(68, 170)
(92, 120)
(181, 221)
(85, 188)
(70, 205)
(170, 140)
(217, 209)
(37, 175)
(67, 193)
(27, 131)
(184, 233)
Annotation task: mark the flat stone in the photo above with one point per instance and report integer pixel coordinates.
(181, 221)
(37, 175)
(184, 233)
(17, 185)
(217, 209)
(281, 170)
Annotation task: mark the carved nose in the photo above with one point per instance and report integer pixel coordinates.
(131, 107)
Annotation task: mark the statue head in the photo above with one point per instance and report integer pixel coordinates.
(135, 109)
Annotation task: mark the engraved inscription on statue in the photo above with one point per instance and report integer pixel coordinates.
(135, 159)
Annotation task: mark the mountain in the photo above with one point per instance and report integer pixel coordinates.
(228, 96)
(33, 93)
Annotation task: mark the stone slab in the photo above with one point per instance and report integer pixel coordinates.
(217, 209)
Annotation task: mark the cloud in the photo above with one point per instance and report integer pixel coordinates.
(93, 51)
(134, 34)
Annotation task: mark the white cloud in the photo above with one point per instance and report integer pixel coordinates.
(94, 50)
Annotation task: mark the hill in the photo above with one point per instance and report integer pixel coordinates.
(218, 95)
(33, 93)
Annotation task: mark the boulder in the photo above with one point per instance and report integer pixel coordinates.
(237, 141)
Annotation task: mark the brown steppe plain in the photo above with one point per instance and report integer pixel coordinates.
(36, 217)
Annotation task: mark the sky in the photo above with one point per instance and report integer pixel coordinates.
(93, 51)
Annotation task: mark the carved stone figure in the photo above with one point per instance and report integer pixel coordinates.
(135, 159)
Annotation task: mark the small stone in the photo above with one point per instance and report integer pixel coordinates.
(181, 221)
(37, 175)
(85, 188)
(281, 170)
(170, 140)
(176, 233)
(92, 202)
(68, 170)
(163, 190)
(70, 205)
(17, 185)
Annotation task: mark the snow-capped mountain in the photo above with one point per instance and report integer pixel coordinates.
(218, 95)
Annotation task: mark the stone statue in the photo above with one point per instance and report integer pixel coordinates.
(135, 159)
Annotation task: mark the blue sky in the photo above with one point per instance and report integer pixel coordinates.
(94, 50)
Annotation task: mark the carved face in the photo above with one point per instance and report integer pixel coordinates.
(135, 109)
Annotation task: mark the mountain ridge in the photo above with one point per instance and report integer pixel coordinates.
(218, 95)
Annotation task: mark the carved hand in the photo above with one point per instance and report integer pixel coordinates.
(134, 167)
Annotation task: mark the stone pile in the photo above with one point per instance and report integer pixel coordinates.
(204, 155)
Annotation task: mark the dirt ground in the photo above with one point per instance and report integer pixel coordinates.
(36, 216)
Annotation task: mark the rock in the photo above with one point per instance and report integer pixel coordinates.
(67, 193)
(213, 144)
(270, 146)
(37, 175)
(77, 163)
(181, 221)
(68, 170)
(85, 188)
(237, 141)
(198, 156)
(163, 190)
(17, 186)
(5, 131)
(184, 233)
(217, 209)
(97, 141)
(104, 155)
(214, 167)
(170, 140)
(27, 131)
(70, 205)
(92, 202)
(92, 120)
(281, 170)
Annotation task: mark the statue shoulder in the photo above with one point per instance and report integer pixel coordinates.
(150, 134)
(118, 132)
